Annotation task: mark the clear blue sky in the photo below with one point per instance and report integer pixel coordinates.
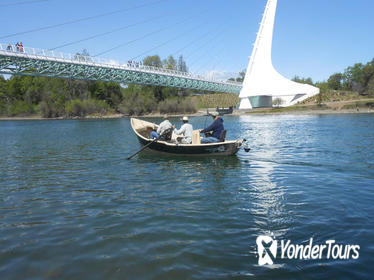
(312, 38)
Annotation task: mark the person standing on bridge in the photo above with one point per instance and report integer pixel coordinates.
(21, 47)
(17, 47)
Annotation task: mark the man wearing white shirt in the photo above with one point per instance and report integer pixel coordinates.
(185, 130)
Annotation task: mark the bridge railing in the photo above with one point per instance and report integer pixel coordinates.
(97, 61)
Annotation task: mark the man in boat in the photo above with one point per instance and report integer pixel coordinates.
(216, 128)
(185, 130)
(164, 125)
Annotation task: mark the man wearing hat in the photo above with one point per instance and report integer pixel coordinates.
(185, 130)
(164, 125)
(216, 127)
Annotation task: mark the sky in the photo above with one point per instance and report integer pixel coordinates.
(312, 38)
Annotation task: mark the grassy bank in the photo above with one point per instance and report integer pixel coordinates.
(215, 100)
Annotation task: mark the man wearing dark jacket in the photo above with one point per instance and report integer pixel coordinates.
(216, 127)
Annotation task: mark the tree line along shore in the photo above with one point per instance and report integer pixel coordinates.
(32, 96)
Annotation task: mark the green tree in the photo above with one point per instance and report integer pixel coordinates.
(367, 75)
(170, 63)
(4, 99)
(153, 60)
(278, 101)
(352, 77)
(159, 93)
(83, 56)
(335, 81)
(108, 91)
(319, 98)
(370, 87)
(15, 88)
(182, 66)
(137, 100)
(308, 80)
(241, 77)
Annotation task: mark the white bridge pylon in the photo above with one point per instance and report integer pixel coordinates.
(262, 83)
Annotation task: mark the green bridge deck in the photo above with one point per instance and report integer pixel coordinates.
(38, 62)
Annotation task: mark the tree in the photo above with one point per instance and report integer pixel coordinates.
(352, 77)
(83, 56)
(319, 98)
(153, 60)
(107, 91)
(161, 93)
(308, 80)
(170, 63)
(367, 75)
(241, 76)
(4, 99)
(335, 81)
(15, 88)
(182, 66)
(137, 100)
(370, 86)
(358, 77)
(278, 101)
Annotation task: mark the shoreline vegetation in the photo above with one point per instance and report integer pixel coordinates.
(33, 97)
(362, 106)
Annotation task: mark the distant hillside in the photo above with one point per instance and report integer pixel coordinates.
(335, 96)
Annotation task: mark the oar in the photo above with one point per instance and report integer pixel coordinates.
(154, 140)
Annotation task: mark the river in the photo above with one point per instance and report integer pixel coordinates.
(72, 206)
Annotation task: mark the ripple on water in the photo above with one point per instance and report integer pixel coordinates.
(71, 207)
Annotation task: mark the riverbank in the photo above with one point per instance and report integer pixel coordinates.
(107, 116)
(274, 111)
(38, 117)
(333, 107)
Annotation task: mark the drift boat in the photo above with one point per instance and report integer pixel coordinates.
(143, 129)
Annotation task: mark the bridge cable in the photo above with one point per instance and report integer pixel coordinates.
(81, 19)
(200, 46)
(110, 31)
(23, 3)
(220, 38)
(209, 50)
(168, 41)
(145, 36)
(215, 59)
(193, 42)
(105, 33)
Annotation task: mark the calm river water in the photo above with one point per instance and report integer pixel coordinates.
(72, 207)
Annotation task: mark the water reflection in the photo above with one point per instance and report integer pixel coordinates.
(194, 170)
(268, 205)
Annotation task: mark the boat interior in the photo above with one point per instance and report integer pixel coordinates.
(145, 128)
